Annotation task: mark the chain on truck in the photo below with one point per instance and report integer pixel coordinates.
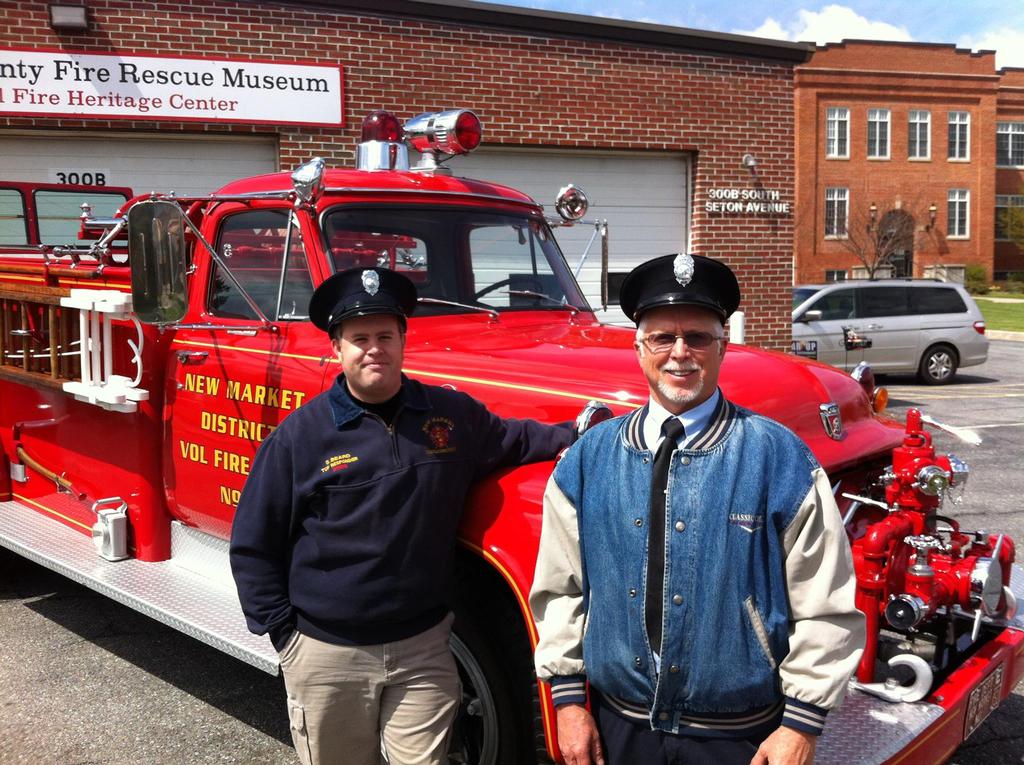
(140, 371)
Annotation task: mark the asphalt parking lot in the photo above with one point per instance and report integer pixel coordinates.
(86, 681)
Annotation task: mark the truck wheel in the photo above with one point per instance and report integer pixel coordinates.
(938, 365)
(493, 725)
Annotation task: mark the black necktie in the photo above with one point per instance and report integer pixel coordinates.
(673, 430)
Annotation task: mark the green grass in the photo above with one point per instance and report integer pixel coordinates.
(1004, 316)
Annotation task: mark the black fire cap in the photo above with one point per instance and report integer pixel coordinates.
(361, 292)
(680, 280)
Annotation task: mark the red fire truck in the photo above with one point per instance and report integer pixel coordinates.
(140, 371)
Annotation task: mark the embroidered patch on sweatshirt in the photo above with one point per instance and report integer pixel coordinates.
(337, 462)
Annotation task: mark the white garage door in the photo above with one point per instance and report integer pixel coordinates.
(184, 165)
(643, 197)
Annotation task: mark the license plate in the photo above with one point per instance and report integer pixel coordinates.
(983, 700)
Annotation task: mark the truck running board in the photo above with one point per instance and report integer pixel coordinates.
(192, 592)
(864, 730)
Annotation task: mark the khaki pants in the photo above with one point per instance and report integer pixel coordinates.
(346, 702)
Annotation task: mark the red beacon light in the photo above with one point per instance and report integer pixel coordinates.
(381, 126)
(384, 139)
(381, 144)
(468, 131)
(455, 131)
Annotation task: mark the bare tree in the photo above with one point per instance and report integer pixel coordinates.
(879, 236)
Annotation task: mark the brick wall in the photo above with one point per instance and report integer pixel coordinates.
(901, 77)
(528, 89)
(1009, 257)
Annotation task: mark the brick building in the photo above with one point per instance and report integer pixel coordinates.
(653, 122)
(904, 153)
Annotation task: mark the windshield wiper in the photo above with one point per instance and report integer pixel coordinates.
(436, 301)
(530, 293)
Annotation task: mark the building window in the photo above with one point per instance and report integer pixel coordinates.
(957, 220)
(837, 133)
(878, 133)
(918, 133)
(1009, 205)
(1010, 144)
(959, 146)
(834, 276)
(837, 203)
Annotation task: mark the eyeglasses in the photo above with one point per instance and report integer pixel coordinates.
(663, 342)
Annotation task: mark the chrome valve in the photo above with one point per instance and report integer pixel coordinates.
(933, 480)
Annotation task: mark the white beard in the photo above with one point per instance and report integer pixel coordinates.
(679, 395)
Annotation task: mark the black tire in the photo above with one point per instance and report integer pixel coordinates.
(938, 365)
(494, 725)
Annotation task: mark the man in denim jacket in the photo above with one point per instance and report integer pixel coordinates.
(705, 589)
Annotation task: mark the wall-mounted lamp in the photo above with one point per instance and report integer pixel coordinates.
(872, 215)
(933, 211)
(749, 161)
(69, 18)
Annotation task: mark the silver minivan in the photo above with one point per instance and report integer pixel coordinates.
(898, 326)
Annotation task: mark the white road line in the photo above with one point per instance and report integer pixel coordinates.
(939, 397)
(994, 425)
(951, 389)
(965, 395)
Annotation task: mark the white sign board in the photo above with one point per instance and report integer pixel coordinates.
(112, 86)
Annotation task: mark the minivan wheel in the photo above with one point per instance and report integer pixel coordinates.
(938, 365)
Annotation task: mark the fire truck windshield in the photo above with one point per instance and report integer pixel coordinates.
(491, 260)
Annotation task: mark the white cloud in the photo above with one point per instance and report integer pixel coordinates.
(831, 24)
(1007, 43)
(770, 29)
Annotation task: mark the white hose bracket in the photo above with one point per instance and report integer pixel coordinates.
(99, 385)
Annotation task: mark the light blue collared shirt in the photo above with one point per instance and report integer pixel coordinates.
(695, 421)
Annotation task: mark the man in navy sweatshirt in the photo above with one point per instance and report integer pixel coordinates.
(343, 545)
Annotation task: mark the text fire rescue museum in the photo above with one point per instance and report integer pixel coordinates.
(36, 83)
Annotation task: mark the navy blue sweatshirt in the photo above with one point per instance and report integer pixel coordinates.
(346, 527)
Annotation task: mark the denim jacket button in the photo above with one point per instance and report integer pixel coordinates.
(646, 460)
(674, 669)
(632, 592)
(636, 660)
(680, 525)
(677, 599)
(685, 460)
(663, 716)
(638, 521)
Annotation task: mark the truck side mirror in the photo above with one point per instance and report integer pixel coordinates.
(158, 260)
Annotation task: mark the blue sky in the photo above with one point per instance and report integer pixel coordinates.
(976, 24)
